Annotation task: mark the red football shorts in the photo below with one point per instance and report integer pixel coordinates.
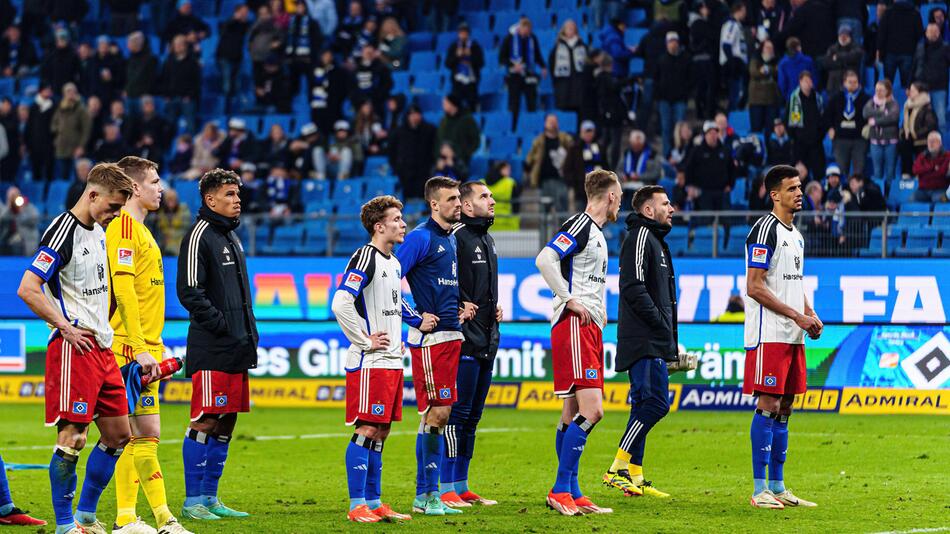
(434, 370)
(577, 353)
(776, 369)
(217, 392)
(81, 387)
(374, 395)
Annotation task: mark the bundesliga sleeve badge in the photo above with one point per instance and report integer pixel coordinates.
(43, 261)
(125, 257)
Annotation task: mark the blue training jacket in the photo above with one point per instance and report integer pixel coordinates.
(429, 262)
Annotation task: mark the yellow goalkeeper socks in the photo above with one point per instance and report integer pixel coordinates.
(636, 473)
(126, 486)
(150, 473)
(620, 461)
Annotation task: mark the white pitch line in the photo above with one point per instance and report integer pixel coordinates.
(286, 437)
(916, 531)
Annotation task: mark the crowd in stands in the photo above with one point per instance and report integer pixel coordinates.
(317, 103)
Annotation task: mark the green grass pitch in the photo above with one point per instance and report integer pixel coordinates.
(868, 473)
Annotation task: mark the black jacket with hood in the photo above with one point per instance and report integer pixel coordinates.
(478, 284)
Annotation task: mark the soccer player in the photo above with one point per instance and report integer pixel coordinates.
(368, 307)
(478, 289)
(647, 343)
(429, 263)
(138, 283)
(83, 383)
(574, 266)
(222, 339)
(9, 513)
(777, 317)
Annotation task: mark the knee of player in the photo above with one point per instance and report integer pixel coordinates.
(76, 441)
(593, 415)
(438, 418)
(769, 403)
(663, 408)
(369, 431)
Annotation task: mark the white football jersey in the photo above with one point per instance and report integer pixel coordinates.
(72, 260)
(581, 246)
(780, 250)
(375, 280)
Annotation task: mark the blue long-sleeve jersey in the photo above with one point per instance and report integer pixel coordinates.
(429, 263)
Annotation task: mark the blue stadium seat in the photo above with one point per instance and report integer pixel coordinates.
(471, 5)
(443, 41)
(285, 239)
(262, 233)
(907, 219)
(678, 240)
(480, 23)
(493, 101)
(429, 102)
(420, 41)
(702, 244)
(564, 5)
(567, 121)
(927, 8)
(740, 122)
(414, 207)
(920, 241)
(668, 184)
(33, 191)
(546, 38)
(874, 248)
(56, 196)
(314, 191)
(531, 124)
(737, 197)
(636, 17)
(376, 166)
(636, 66)
(349, 235)
(503, 20)
(502, 146)
(501, 5)
(188, 194)
(612, 235)
(381, 185)
(498, 121)
(348, 192)
(633, 36)
(315, 238)
(429, 82)
(478, 167)
(401, 83)
(423, 61)
(901, 192)
(285, 121)
(941, 219)
(7, 86)
(492, 81)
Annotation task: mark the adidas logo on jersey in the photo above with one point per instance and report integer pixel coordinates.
(85, 251)
(784, 243)
(441, 249)
(384, 274)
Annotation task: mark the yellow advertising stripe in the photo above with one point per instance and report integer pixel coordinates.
(895, 401)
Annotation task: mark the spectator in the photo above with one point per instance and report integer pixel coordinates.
(806, 124)
(727, 134)
(117, 115)
(87, 68)
(882, 114)
(567, 60)
(369, 130)
(264, 40)
(833, 185)
(329, 87)
(651, 47)
(185, 23)
(871, 31)
(371, 79)
(97, 118)
(303, 150)
(204, 151)
(759, 198)
(853, 13)
(919, 121)
(393, 44)
(38, 133)
(239, 146)
(150, 133)
(584, 156)
(638, 166)
(78, 184)
(505, 191)
(931, 64)
(123, 16)
(174, 217)
(10, 162)
(275, 150)
(938, 16)
(846, 125)
(304, 42)
(447, 164)
(282, 192)
(672, 84)
(791, 66)
(230, 51)
(841, 57)
(278, 9)
(865, 195)
(181, 83)
(141, 70)
(769, 19)
(520, 55)
(60, 65)
(349, 28)
(612, 110)
(704, 49)
(182, 154)
(682, 144)
(932, 168)
(324, 13)
(545, 163)
(611, 41)
(780, 148)
(813, 23)
(411, 150)
(70, 128)
(709, 171)
(465, 60)
(734, 55)
(898, 34)
(17, 55)
(763, 89)
(253, 191)
(271, 85)
(108, 67)
(459, 128)
(112, 148)
(342, 157)
(19, 225)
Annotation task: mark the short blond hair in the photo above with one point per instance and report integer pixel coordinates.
(136, 167)
(375, 210)
(597, 182)
(110, 177)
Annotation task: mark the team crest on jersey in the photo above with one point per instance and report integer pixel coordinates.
(125, 257)
(353, 281)
(591, 374)
(43, 261)
(759, 255)
(454, 269)
(378, 409)
(80, 407)
(221, 400)
(770, 381)
(148, 401)
(798, 263)
(101, 271)
(395, 297)
(445, 393)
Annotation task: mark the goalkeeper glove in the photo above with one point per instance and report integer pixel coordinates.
(684, 362)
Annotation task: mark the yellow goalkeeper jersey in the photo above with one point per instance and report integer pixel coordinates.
(138, 284)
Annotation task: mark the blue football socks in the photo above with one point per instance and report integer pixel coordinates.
(433, 446)
(777, 458)
(461, 473)
(62, 480)
(194, 454)
(761, 436)
(357, 466)
(374, 485)
(575, 438)
(99, 470)
(6, 501)
(216, 454)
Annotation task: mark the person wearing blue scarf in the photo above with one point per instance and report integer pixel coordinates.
(465, 60)
(520, 54)
(846, 121)
(304, 41)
